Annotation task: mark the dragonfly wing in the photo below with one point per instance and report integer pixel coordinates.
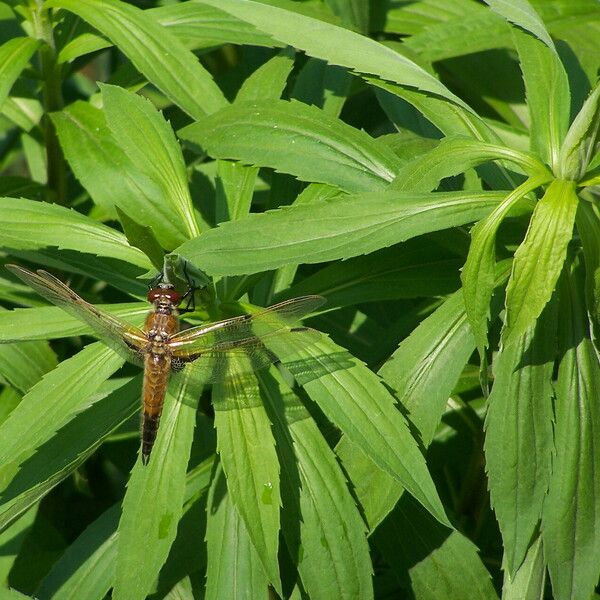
(125, 339)
(279, 317)
(231, 360)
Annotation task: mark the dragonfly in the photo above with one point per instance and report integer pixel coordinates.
(215, 352)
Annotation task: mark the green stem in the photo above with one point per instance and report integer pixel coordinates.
(52, 100)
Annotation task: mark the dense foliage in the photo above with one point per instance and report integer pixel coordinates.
(431, 167)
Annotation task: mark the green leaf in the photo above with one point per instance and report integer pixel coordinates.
(415, 268)
(354, 398)
(330, 549)
(328, 230)
(548, 96)
(63, 392)
(14, 56)
(539, 259)
(454, 155)
(425, 368)
(83, 44)
(230, 550)
(154, 51)
(153, 503)
(473, 30)
(269, 80)
(62, 454)
(479, 271)
(295, 138)
(572, 505)
(247, 450)
(142, 237)
(521, 13)
(74, 577)
(29, 225)
(141, 132)
(325, 86)
(109, 175)
(580, 142)
(465, 574)
(200, 26)
(519, 436)
(350, 49)
(22, 365)
(588, 227)
(413, 542)
(354, 14)
(528, 582)
(49, 322)
(11, 540)
(86, 569)
(235, 182)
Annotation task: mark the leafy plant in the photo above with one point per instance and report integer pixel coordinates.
(431, 168)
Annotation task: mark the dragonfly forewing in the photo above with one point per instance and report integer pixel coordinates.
(125, 339)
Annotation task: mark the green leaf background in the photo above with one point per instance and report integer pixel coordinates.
(431, 169)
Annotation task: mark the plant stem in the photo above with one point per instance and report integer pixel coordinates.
(52, 100)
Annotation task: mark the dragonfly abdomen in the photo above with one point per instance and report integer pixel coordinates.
(156, 377)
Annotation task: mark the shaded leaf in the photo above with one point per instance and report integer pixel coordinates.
(572, 506)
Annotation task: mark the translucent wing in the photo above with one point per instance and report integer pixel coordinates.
(244, 330)
(123, 338)
(234, 359)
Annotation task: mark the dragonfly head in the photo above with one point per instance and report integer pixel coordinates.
(164, 295)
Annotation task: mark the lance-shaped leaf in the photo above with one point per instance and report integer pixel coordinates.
(350, 50)
(59, 456)
(548, 95)
(521, 13)
(539, 259)
(149, 142)
(426, 366)
(29, 225)
(142, 237)
(153, 503)
(110, 176)
(457, 154)
(519, 436)
(49, 322)
(328, 230)
(14, 56)
(293, 137)
(234, 569)
(580, 141)
(354, 399)
(201, 26)
(478, 273)
(323, 529)
(570, 519)
(529, 581)
(155, 52)
(588, 227)
(87, 567)
(61, 394)
(249, 459)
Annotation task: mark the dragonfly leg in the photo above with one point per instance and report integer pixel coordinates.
(189, 294)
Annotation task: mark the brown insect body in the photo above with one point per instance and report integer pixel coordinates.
(215, 352)
(160, 325)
